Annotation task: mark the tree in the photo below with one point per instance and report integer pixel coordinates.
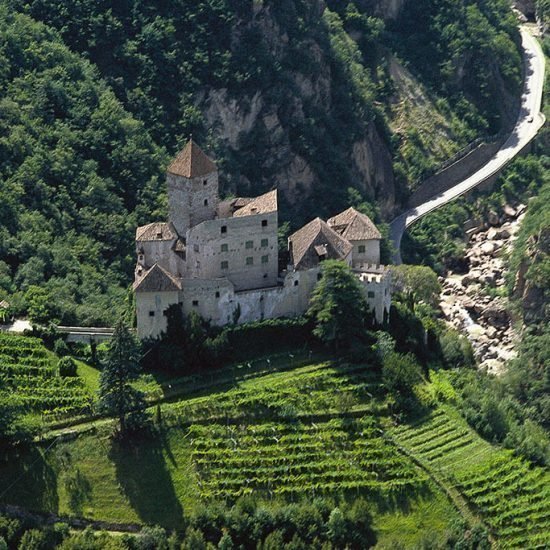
(116, 394)
(400, 373)
(338, 306)
(39, 305)
(418, 282)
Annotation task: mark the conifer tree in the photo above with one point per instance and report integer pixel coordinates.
(117, 396)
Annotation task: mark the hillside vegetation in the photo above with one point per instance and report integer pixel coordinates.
(297, 94)
(315, 431)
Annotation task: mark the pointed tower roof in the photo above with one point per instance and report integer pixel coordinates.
(192, 162)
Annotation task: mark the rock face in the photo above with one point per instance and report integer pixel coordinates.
(472, 302)
(258, 122)
(532, 297)
(385, 9)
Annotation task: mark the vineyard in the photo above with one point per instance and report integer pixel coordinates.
(313, 390)
(28, 372)
(302, 458)
(511, 496)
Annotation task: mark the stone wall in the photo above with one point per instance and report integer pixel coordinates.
(192, 201)
(208, 245)
(371, 254)
(455, 173)
(150, 308)
(161, 252)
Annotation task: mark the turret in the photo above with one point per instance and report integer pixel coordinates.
(193, 193)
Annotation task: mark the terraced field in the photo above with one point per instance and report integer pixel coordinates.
(28, 371)
(511, 496)
(284, 459)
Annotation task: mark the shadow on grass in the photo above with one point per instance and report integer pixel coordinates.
(143, 474)
(27, 479)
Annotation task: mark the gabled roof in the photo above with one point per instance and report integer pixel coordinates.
(354, 226)
(192, 162)
(158, 231)
(157, 279)
(263, 204)
(314, 241)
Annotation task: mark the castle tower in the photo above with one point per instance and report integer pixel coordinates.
(193, 194)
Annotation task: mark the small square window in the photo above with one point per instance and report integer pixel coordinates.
(217, 294)
(225, 264)
(195, 303)
(224, 247)
(205, 202)
(151, 314)
(362, 249)
(250, 260)
(296, 283)
(265, 259)
(265, 243)
(224, 228)
(205, 182)
(264, 223)
(249, 244)
(370, 294)
(265, 275)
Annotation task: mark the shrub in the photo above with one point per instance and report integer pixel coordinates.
(61, 348)
(67, 367)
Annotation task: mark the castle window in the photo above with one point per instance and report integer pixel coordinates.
(224, 247)
(205, 182)
(319, 276)
(195, 303)
(265, 243)
(151, 314)
(224, 229)
(249, 244)
(264, 223)
(225, 264)
(370, 294)
(362, 249)
(205, 202)
(296, 283)
(196, 247)
(217, 294)
(140, 257)
(250, 260)
(265, 259)
(265, 275)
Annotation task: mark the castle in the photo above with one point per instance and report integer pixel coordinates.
(220, 258)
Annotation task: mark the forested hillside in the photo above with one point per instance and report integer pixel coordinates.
(312, 97)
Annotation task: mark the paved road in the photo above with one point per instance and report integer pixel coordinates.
(530, 121)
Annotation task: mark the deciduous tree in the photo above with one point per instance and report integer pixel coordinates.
(338, 306)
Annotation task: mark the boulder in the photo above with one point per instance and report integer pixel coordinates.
(496, 315)
(488, 248)
(492, 218)
(509, 211)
